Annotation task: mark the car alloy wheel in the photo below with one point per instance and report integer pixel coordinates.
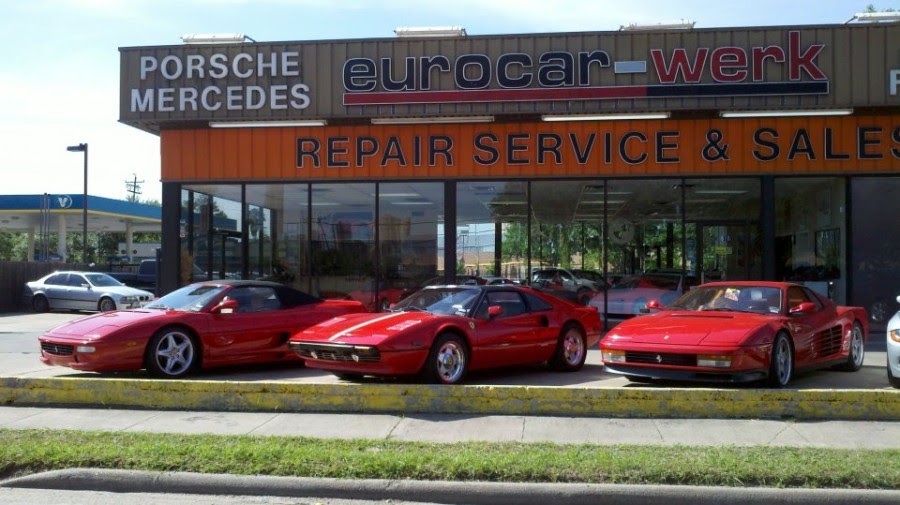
(857, 352)
(571, 349)
(172, 353)
(781, 368)
(106, 305)
(448, 360)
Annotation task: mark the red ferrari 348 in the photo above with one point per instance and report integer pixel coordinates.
(738, 332)
(206, 324)
(442, 332)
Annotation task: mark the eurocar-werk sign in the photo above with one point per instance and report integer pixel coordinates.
(564, 75)
(511, 74)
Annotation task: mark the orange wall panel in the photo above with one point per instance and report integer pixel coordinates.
(817, 145)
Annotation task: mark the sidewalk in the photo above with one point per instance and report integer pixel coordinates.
(463, 428)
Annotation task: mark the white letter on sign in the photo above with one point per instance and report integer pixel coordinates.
(894, 82)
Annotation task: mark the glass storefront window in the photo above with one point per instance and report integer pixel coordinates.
(810, 233)
(876, 263)
(343, 239)
(723, 229)
(486, 211)
(410, 218)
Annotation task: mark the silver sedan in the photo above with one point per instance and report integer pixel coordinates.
(93, 291)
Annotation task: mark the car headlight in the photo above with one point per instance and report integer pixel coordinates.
(894, 335)
(129, 299)
(613, 356)
(714, 360)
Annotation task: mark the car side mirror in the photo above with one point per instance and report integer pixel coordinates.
(494, 311)
(652, 305)
(225, 307)
(803, 308)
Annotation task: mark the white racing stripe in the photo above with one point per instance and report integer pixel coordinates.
(363, 325)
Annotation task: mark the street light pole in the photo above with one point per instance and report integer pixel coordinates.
(83, 148)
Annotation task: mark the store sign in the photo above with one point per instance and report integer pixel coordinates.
(573, 75)
(201, 92)
(893, 82)
(727, 142)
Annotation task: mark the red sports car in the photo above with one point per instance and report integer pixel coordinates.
(738, 332)
(378, 298)
(206, 324)
(442, 332)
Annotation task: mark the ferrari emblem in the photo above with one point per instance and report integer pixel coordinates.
(471, 325)
(659, 358)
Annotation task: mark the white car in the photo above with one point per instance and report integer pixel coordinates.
(93, 291)
(893, 349)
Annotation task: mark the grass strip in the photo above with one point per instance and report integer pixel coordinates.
(29, 451)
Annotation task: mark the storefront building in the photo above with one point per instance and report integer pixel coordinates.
(377, 165)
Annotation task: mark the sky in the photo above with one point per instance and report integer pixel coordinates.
(59, 68)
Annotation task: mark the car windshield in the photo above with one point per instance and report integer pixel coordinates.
(102, 280)
(189, 298)
(759, 299)
(441, 300)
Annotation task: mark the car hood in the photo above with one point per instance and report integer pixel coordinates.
(365, 328)
(690, 328)
(104, 322)
(124, 291)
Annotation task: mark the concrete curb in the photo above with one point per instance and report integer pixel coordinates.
(868, 405)
(475, 493)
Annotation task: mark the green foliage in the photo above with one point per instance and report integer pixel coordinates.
(28, 451)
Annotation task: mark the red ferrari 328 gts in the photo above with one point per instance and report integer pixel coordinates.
(442, 332)
(738, 332)
(206, 324)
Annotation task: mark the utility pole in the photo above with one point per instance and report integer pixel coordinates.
(134, 188)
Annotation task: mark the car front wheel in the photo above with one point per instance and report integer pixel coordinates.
(448, 360)
(894, 381)
(106, 305)
(172, 353)
(781, 367)
(571, 350)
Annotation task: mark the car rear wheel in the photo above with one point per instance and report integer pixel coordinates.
(781, 367)
(40, 304)
(106, 305)
(857, 352)
(448, 360)
(172, 353)
(571, 349)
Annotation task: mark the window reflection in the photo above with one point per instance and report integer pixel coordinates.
(343, 238)
(491, 231)
(809, 222)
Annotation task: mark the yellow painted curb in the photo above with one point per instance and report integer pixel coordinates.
(869, 405)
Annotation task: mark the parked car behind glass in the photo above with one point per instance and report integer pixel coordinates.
(82, 291)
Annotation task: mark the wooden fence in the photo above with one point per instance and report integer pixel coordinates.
(14, 275)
